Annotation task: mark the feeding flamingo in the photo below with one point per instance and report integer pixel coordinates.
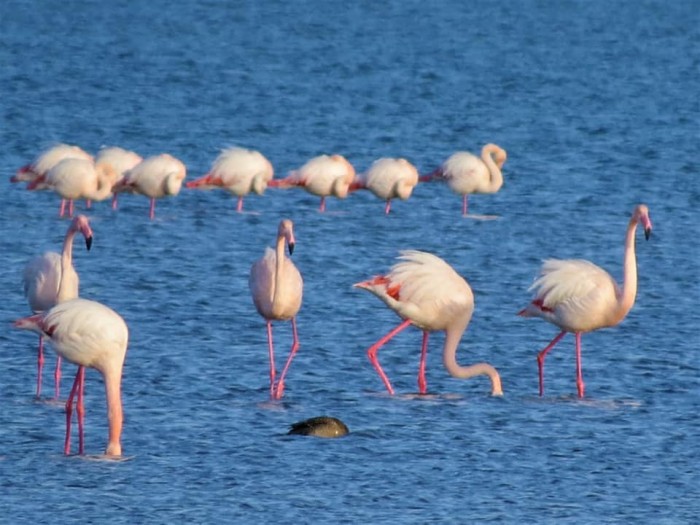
(88, 334)
(388, 179)
(579, 297)
(155, 177)
(466, 173)
(427, 292)
(76, 179)
(50, 279)
(238, 171)
(325, 176)
(276, 286)
(121, 161)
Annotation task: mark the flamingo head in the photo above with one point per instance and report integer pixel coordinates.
(641, 215)
(82, 224)
(499, 154)
(286, 232)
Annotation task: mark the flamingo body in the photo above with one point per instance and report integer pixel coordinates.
(47, 160)
(389, 179)
(121, 161)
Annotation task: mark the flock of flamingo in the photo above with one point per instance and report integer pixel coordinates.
(423, 289)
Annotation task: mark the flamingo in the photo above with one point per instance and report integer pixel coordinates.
(47, 160)
(388, 179)
(77, 179)
(50, 279)
(155, 177)
(121, 161)
(276, 286)
(88, 334)
(427, 292)
(239, 171)
(325, 176)
(465, 173)
(579, 297)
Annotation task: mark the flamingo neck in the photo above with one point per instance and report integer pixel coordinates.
(115, 415)
(629, 284)
(279, 262)
(495, 174)
(66, 266)
(449, 359)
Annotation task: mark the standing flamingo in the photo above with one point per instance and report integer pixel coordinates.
(121, 161)
(239, 171)
(155, 177)
(50, 279)
(325, 176)
(47, 160)
(578, 296)
(88, 334)
(465, 173)
(388, 179)
(276, 286)
(426, 291)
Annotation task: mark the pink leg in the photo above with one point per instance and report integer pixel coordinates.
(57, 377)
(422, 382)
(115, 203)
(323, 205)
(88, 203)
(69, 411)
(579, 369)
(62, 210)
(239, 205)
(80, 409)
(152, 211)
(464, 205)
(387, 207)
(271, 353)
(39, 365)
(372, 353)
(279, 391)
(541, 356)
(71, 207)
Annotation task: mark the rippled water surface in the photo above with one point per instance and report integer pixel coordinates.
(597, 106)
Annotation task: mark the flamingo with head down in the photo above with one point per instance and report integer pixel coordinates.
(388, 179)
(121, 161)
(579, 297)
(427, 292)
(239, 171)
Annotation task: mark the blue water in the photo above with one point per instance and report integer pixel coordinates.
(597, 106)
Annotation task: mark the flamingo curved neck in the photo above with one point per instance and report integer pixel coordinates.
(279, 261)
(449, 359)
(629, 284)
(495, 174)
(66, 265)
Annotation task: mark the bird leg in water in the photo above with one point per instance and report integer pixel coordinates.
(579, 371)
(372, 353)
(541, 356)
(79, 389)
(239, 204)
(57, 378)
(387, 207)
(464, 205)
(152, 211)
(422, 382)
(323, 205)
(279, 391)
(62, 210)
(271, 353)
(39, 365)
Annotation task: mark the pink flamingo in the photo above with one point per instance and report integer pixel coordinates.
(325, 176)
(578, 296)
(426, 291)
(155, 177)
(276, 286)
(388, 179)
(465, 173)
(50, 279)
(121, 161)
(88, 334)
(47, 160)
(77, 179)
(239, 171)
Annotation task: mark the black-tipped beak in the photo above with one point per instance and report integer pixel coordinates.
(291, 248)
(647, 233)
(88, 242)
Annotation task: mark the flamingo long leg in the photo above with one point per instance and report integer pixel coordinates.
(271, 352)
(464, 205)
(579, 369)
(152, 210)
(39, 365)
(541, 356)
(115, 202)
(69, 411)
(80, 409)
(71, 207)
(422, 382)
(279, 391)
(239, 205)
(387, 207)
(62, 210)
(323, 205)
(372, 353)
(57, 378)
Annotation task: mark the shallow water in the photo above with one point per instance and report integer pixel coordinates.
(597, 108)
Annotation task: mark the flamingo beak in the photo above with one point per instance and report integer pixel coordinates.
(291, 248)
(647, 232)
(88, 242)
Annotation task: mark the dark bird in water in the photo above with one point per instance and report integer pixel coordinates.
(323, 426)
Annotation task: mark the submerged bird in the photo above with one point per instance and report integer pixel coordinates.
(155, 177)
(322, 426)
(579, 297)
(239, 171)
(276, 286)
(427, 292)
(50, 279)
(388, 179)
(121, 161)
(466, 173)
(325, 176)
(88, 334)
